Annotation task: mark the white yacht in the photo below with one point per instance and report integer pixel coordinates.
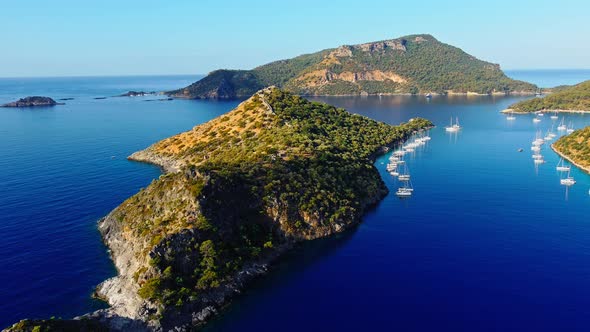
(554, 116)
(536, 120)
(562, 126)
(404, 175)
(406, 190)
(399, 153)
(453, 128)
(403, 192)
(568, 181)
(570, 128)
(562, 167)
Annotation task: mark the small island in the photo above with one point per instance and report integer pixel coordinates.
(570, 99)
(575, 147)
(136, 94)
(238, 192)
(33, 101)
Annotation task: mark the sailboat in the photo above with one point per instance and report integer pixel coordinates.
(405, 175)
(562, 126)
(554, 116)
(549, 136)
(536, 120)
(453, 128)
(538, 140)
(510, 117)
(570, 128)
(561, 166)
(405, 190)
(568, 181)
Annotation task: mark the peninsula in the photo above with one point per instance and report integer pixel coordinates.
(572, 99)
(415, 64)
(575, 147)
(32, 102)
(238, 192)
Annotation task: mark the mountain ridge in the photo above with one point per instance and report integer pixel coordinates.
(413, 64)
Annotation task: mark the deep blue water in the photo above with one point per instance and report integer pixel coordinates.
(487, 242)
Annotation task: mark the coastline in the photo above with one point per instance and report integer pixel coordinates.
(564, 156)
(422, 94)
(119, 289)
(512, 111)
(167, 165)
(128, 311)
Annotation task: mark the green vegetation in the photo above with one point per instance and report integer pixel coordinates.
(576, 97)
(576, 146)
(278, 169)
(410, 64)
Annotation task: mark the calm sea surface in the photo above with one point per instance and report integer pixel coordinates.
(487, 242)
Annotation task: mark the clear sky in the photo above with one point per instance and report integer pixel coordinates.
(123, 37)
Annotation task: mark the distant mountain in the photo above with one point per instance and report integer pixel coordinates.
(569, 98)
(410, 64)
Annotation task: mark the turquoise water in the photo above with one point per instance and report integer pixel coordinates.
(487, 242)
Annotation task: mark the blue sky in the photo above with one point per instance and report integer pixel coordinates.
(123, 37)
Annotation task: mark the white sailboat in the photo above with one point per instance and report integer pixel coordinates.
(562, 126)
(453, 128)
(570, 128)
(405, 191)
(536, 120)
(404, 175)
(562, 167)
(554, 116)
(568, 181)
(510, 117)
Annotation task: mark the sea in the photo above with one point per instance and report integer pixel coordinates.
(489, 241)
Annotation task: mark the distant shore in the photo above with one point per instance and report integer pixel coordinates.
(448, 93)
(513, 111)
(564, 156)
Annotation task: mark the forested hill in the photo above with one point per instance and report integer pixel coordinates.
(574, 98)
(410, 64)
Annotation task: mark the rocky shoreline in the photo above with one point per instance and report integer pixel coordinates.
(566, 157)
(168, 165)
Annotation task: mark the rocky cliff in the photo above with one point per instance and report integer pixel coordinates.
(410, 64)
(240, 190)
